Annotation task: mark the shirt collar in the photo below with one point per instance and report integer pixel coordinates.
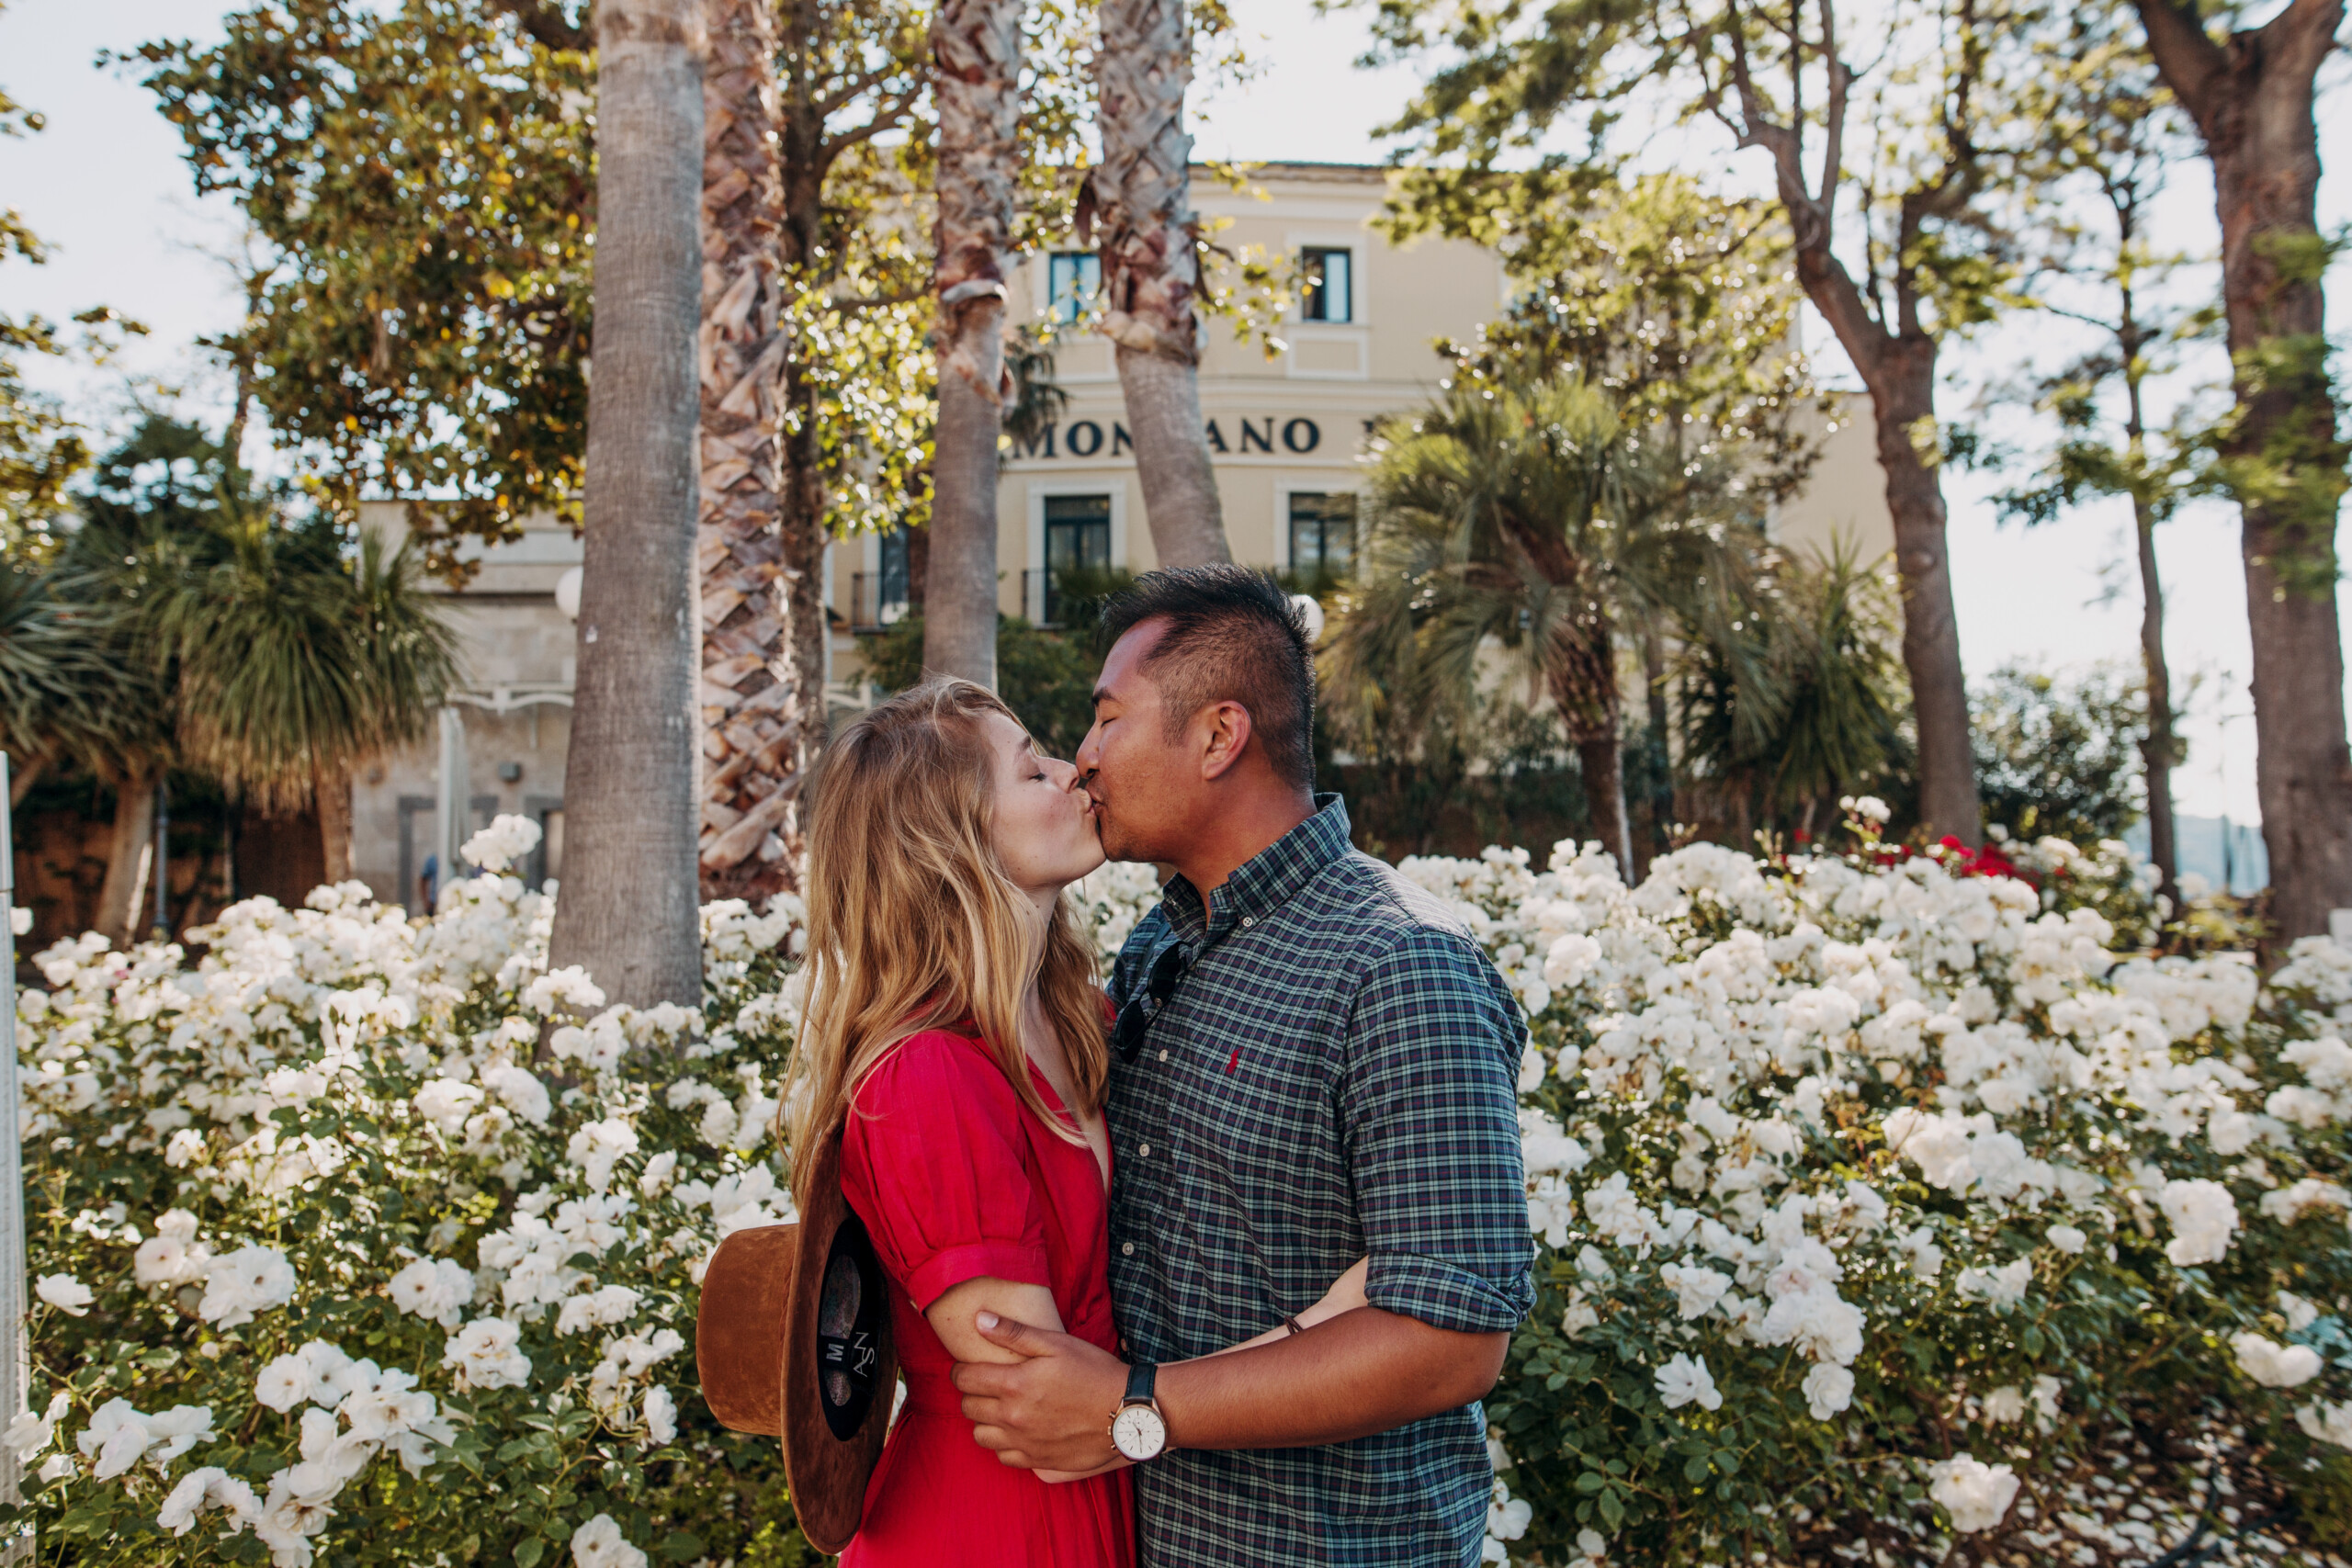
(1266, 881)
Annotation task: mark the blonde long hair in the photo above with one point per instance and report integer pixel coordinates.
(913, 923)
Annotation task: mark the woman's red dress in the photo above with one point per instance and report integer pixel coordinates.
(956, 1179)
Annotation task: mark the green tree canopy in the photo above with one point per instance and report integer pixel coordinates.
(422, 176)
(1681, 304)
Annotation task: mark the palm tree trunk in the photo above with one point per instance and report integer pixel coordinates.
(1602, 755)
(330, 795)
(975, 58)
(629, 911)
(127, 847)
(1151, 273)
(757, 706)
(1582, 673)
(2251, 99)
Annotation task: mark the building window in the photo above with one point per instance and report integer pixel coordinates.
(1328, 279)
(1077, 541)
(1072, 280)
(891, 556)
(879, 597)
(1322, 537)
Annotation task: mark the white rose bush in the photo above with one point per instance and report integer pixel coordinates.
(1872, 1188)
(339, 1263)
(1868, 1189)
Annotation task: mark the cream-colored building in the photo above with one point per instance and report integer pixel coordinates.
(1286, 432)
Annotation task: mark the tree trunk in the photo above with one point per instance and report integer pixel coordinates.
(629, 909)
(959, 595)
(1151, 270)
(133, 841)
(758, 706)
(1903, 396)
(976, 59)
(2252, 100)
(331, 793)
(2159, 748)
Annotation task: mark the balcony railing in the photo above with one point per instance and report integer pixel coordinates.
(1040, 601)
(869, 612)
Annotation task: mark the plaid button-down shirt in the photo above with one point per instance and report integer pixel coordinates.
(1335, 1075)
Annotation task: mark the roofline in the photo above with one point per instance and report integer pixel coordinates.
(1306, 169)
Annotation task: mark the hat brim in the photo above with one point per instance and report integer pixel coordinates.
(793, 1339)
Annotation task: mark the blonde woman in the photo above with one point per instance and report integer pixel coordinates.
(955, 1034)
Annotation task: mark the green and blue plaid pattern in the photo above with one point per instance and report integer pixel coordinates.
(1334, 1074)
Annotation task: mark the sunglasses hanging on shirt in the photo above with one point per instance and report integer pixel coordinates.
(1134, 1019)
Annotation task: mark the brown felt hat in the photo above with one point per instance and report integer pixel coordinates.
(793, 1340)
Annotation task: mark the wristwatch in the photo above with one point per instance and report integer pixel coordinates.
(1137, 1429)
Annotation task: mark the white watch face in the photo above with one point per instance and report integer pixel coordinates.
(1139, 1433)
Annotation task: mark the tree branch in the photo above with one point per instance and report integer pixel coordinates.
(2297, 40)
(887, 116)
(2193, 66)
(1841, 82)
(545, 20)
(851, 92)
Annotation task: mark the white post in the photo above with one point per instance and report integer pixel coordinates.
(16, 1356)
(450, 800)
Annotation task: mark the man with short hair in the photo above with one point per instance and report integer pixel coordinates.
(1314, 1063)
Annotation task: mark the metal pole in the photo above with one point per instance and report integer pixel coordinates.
(16, 1363)
(161, 927)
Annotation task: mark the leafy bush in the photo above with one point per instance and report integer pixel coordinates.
(1868, 1188)
(2060, 757)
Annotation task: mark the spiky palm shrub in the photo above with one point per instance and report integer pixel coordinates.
(1802, 701)
(1519, 527)
(291, 656)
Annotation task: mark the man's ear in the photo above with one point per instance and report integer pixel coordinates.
(1225, 736)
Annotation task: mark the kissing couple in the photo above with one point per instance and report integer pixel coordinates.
(1213, 1270)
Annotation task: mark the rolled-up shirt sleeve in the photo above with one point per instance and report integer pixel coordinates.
(1429, 1106)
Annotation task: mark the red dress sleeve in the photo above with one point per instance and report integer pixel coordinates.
(932, 1161)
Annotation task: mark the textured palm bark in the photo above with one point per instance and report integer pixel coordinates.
(761, 708)
(976, 75)
(127, 850)
(1140, 196)
(2251, 99)
(330, 797)
(629, 911)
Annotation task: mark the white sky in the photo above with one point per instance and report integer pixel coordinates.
(104, 185)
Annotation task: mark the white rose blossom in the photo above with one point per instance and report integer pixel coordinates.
(1976, 1495)
(1686, 1381)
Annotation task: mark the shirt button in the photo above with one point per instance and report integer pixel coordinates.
(1126, 1249)
(1163, 1056)
(1249, 919)
(1143, 1151)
